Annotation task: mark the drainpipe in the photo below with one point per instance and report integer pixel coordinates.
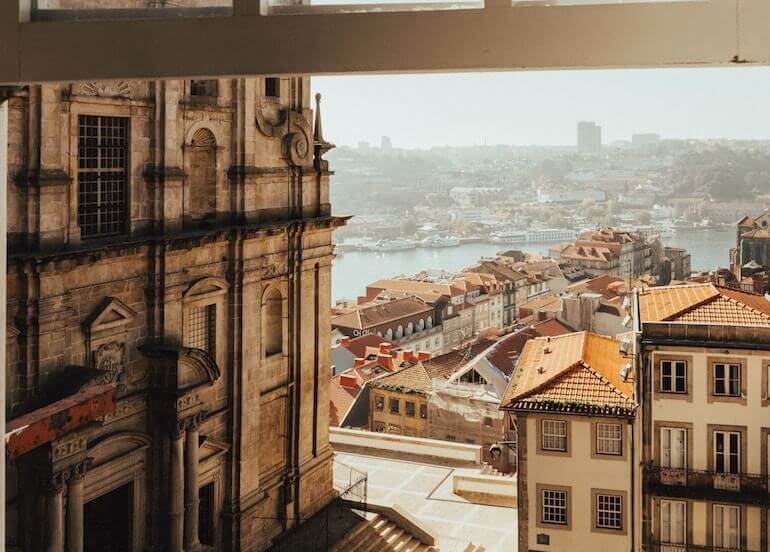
(632, 519)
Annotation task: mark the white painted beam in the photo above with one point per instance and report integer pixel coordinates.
(664, 34)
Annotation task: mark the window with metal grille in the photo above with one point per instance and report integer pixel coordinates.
(554, 435)
(203, 88)
(102, 175)
(609, 439)
(727, 379)
(554, 507)
(423, 411)
(609, 511)
(202, 328)
(379, 403)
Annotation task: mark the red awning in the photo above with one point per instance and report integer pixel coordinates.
(50, 422)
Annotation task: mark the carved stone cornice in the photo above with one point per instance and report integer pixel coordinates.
(236, 171)
(43, 178)
(162, 173)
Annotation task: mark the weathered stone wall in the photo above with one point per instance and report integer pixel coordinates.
(77, 305)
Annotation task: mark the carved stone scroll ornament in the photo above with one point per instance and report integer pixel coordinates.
(110, 359)
(108, 89)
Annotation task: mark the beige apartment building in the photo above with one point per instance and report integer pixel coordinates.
(168, 278)
(706, 410)
(572, 409)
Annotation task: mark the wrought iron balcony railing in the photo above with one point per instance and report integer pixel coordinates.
(740, 487)
(669, 547)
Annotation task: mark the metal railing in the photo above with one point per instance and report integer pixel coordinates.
(742, 487)
(669, 547)
(351, 483)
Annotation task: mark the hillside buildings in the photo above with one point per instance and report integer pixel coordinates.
(752, 245)
(612, 252)
(168, 275)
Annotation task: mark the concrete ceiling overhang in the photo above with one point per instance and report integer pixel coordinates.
(497, 37)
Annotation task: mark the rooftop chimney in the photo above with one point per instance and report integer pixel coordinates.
(386, 361)
(358, 362)
(384, 348)
(424, 356)
(345, 341)
(409, 355)
(348, 381)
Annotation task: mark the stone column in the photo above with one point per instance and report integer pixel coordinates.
(176, 490)
(75, 508)
(191, 499)
(55, 513)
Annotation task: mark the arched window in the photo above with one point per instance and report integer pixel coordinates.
(399, 332)
(389, 334)
(421, 325)
(272, 322)
(429, 322)
(409, 328)
(202, 188)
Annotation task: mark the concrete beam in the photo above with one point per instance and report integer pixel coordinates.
(664, 34)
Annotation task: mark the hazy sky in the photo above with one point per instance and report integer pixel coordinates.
(543, 107)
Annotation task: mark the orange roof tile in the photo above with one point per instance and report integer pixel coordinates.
(703, 304)
(575, 372)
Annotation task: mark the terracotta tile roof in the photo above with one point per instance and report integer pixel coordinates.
(358, 345)
(340, 399)
(578, 372)
(369, 315)
(757, 233)
(605, 285)
(413, 379)
(549, 303)
(426, 291)
(552, 328)
(703, 304)
(419, 377)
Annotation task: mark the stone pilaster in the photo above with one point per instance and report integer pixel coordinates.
(75, 507)
(176, 490)
(191, 499)
(54, 513)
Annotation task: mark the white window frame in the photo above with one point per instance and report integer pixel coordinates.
(550, 433)
(668, 458)
(727, 452)
(615, 510)
(726, 526)
(557, 501)
(673, 377)
(729, 379)
(609, 445)
(673, 522)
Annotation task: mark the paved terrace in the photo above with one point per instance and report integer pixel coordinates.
(423, 487)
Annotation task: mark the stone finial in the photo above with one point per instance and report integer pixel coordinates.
(318, 135)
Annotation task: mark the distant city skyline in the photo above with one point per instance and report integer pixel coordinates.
(543, 108)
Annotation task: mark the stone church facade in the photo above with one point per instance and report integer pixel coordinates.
(169, 279)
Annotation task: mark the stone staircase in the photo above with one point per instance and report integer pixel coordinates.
(380, 533)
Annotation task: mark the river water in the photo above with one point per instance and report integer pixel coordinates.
(354, 270)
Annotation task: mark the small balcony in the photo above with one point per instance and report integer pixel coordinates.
(733, 487)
